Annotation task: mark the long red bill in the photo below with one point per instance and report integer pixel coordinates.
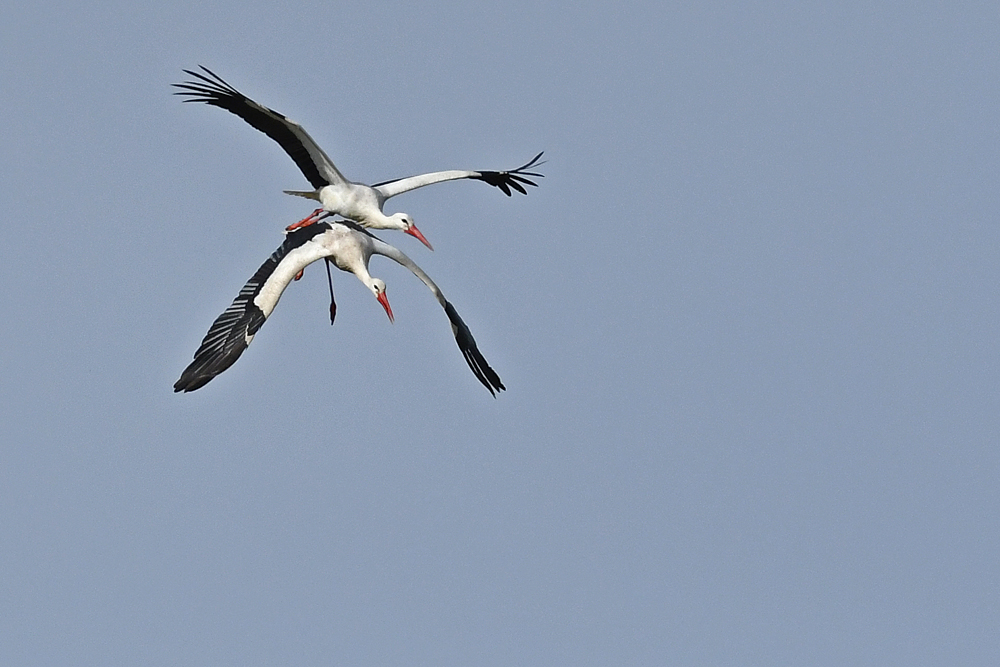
(384, 300)
(413, 231)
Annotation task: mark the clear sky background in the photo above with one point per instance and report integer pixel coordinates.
(747, 324)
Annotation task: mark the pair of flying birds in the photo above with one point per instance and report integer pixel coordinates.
(344, 242)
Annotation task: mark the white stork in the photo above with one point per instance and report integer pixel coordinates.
(347, 245)
(355, 201)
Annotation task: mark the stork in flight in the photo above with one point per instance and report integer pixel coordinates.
(349, 247)
(355, 201)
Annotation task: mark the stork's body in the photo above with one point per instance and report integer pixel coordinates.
(350, 248)
(338, 195)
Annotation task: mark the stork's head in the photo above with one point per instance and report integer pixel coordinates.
(405, 223)
(377, 286)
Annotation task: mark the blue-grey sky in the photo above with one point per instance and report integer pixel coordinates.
(747, 324)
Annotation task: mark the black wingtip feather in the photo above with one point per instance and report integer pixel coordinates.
(201, 371)
(505, 180)
(227, 338)
(467, 344)
(214, 91)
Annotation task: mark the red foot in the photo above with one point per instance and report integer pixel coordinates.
(299, 274)
(305, 222)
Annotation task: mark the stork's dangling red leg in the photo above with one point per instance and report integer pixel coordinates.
(306, 221)
(333, 302)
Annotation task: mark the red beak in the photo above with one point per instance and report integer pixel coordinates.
(413, 231)
(384, 300)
